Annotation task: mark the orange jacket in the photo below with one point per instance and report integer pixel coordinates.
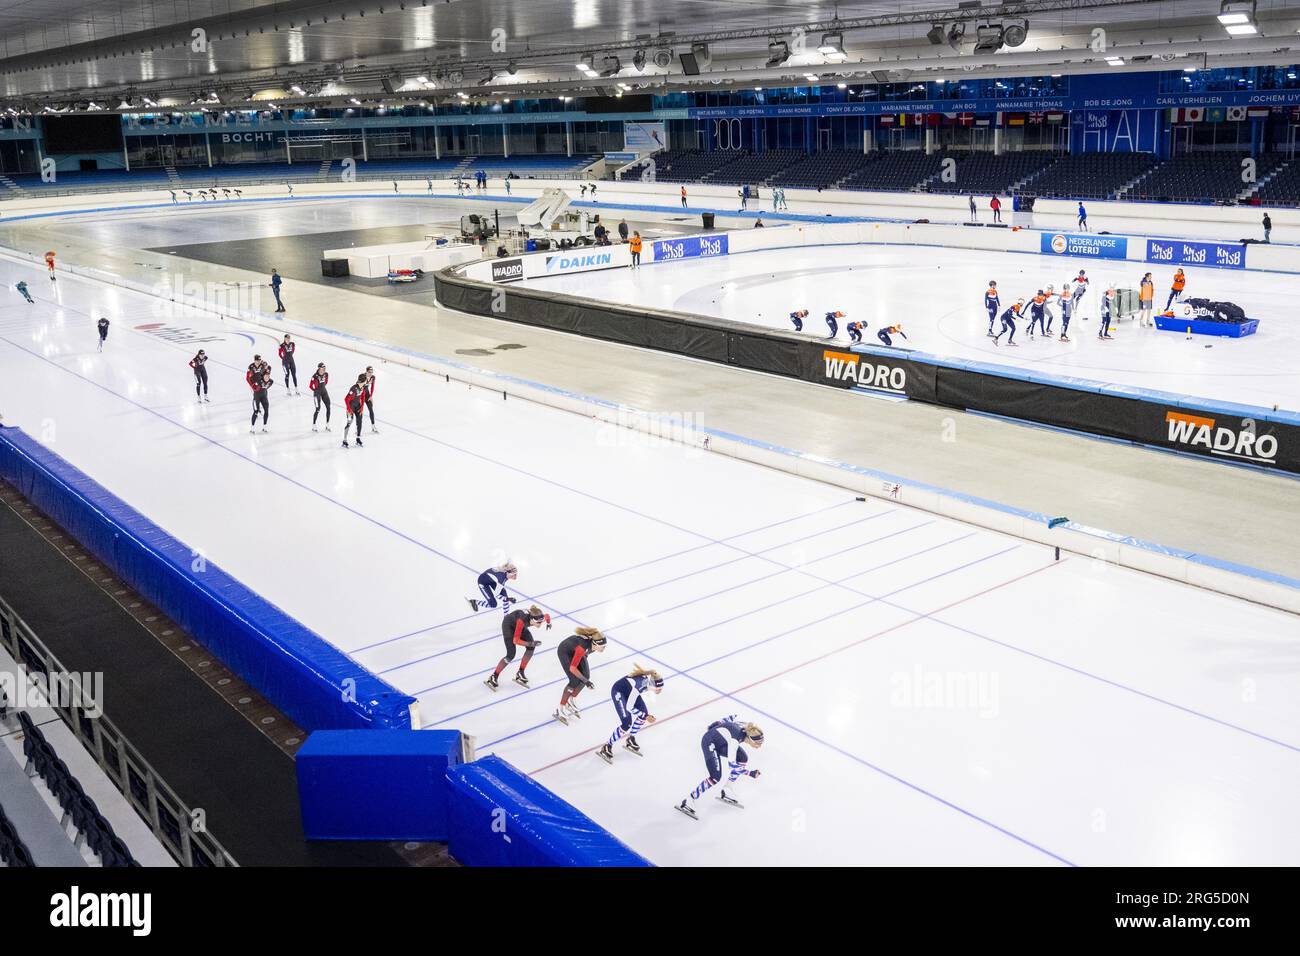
(635, 243)
(1180, 280)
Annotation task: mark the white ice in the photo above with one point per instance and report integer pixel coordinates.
(931, 693)
(937, 296)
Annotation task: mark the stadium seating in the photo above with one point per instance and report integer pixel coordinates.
(1284, 188)
(757, 168)
(91, 827)
(898, 171)
(1089, 175)
(693, 166)
(1201, 177)
(823, 170)
(985, 173)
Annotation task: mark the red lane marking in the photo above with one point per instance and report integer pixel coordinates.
(814, 660)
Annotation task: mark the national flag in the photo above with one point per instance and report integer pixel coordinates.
(1015, 119)
(1235, 114)
(1191, 114)
(886, 119)
(1261, 112)
(1055, 116)
(1295, 114)
(968, 119)
(933, 119)
(984, 120)
(1037, 118)
(1215, 114)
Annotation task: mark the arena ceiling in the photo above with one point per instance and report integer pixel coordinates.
(65, 54)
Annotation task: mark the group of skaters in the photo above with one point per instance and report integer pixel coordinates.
(855, 329)
(357, 402)
(724, 742)
(1069, 300)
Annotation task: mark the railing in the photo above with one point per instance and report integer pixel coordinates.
(305, 177)
(156, 803)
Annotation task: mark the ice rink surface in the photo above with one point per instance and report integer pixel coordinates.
(931, 693)
(936, 294)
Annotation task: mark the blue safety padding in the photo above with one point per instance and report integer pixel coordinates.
(500, 816)
(376, 784)
(311, 681)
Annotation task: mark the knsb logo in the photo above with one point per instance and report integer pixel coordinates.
(1059, 244)
(507, 270)
(1195, 431)
(591, 260)
(849, 367)
(179, 333)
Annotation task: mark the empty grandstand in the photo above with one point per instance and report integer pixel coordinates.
(989, 173)
(1203, 177)
(896, 171)
(1089, 175)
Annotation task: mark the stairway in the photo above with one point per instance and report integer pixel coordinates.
(1247, 193)
(462, 167)
(324, 173)
(13, 187)
(173, 177)
(1119, 193)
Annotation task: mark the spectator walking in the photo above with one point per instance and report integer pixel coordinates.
(622, 230)
(683, 197)
(1268, 227)
(996, 205)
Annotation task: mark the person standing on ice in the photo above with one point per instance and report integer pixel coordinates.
(1083, 217)
(370, 397)
(991, 301)
(1176, 290)
(1009, 323)
(1067, 310)
(833, 324)
(1146, 298)
(259, 380)
(199, 364)
(354, 403)
(1268, 228)
(573, 653)
(275, 290)
(996, 205)
(492, 585)
(974, 212)
(319, 388)
(102, 326)
(287, 348)
(1107, 298)
(22, 290)
(724, 742)
(628, 695)
(683, 197)
(515, 631)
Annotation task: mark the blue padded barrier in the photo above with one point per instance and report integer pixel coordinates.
(376, 785)
(537, 828)
(312, 682)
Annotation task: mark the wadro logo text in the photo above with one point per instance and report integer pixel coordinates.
(1195, 431)
(851, 367)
